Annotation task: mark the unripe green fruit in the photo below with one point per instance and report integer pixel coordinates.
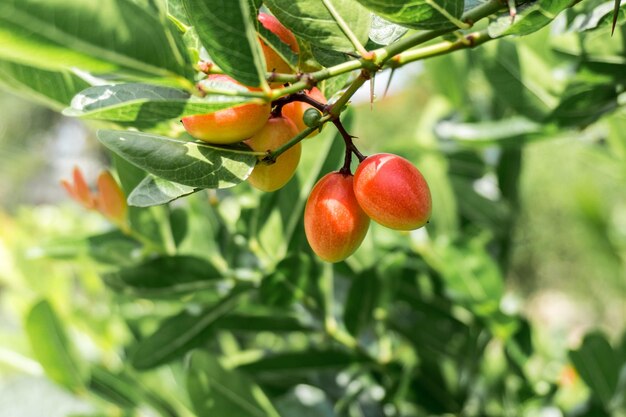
(276, 132)
(230, 125)
(311, 117)
(334, 223)
(296, 109)
(392, 192)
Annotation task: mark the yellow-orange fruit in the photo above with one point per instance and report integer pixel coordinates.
(295, 110)
(276, 132)
(334, 223)
(228, 125)
(392, 192)
(273, 61)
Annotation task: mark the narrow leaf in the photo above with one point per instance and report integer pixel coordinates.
(101, 36)
(261, 323)
(54, 89)
(215, 391)
(179, 334)
(115, 388)
(166, 275)
(144, 102)
(362, 300)
(188, 163)
(52, 348)
(308, 360)
(488, 133)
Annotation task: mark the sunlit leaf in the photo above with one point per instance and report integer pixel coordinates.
(154, 191)
(417, 14)
(227, 32)
(101, 36)
(188, 163)
(311, 20)
(54, 89)
(51, 347)
(144, 103)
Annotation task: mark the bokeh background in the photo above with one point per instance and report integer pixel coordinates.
(560, 230)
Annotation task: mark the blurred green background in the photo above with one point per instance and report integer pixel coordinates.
(530, 190)
(568, 235)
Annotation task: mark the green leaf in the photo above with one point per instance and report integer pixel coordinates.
(530, 18)
(281, 48)
(311, 20)
(52, 348)
(261, 323)
(295, 403)
(114, 248)
(328, 57)
(176, 12)
(598, 365)
(288, 281)
(308, 360)
(500, 131)
(54, 89)
(102, 36)
(179, 334)
(281, 212)
(134, 102)
(333, 85)
(600, 16)
(215, 391)
(154, 191)
(188, 163)
(417, 14)
(227, 32)
(586, 98)
(384, 32)
(429, 326)
(362, 298)
(165, 276)
(116, 388)
(471, 276)
(521, 79)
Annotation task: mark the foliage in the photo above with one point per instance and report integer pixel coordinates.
(216, 305)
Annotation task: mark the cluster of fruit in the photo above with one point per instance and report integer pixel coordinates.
(254, 124)
(385, 188)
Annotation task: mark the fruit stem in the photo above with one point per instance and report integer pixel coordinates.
(337, 106)
(350, 148)
(467, 41)
(371, 61)
(270, 157)
(470, 17)
(278, 104)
